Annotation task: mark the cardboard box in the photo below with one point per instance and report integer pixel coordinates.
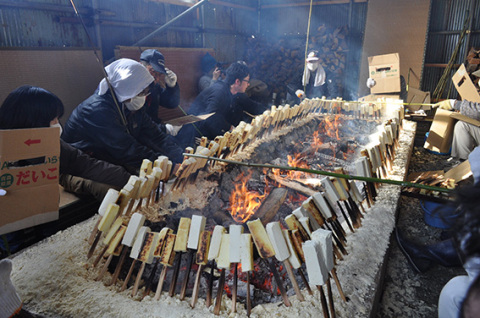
(385, 70)
(32, 191)
(465, 86)
(417, 97)
(441, 132)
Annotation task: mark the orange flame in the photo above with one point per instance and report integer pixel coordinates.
(243, 202)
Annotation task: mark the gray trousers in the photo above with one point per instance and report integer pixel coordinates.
(465, 138)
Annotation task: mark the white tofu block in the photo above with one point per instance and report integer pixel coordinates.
(148, 248)
(305, 222)
(110, 197)
(246, 252)
(223, 259)
(280, 246)
(376, 152)
(294, 260)
(148, 186)
(145, 168)
(215, 242)
(322, 205)
(112, 231)
(168, 253)
(355, 192)
(182, 235)
(203, 247)
(360, 168)
(235, 232)
(367, 166)
(300, 212)
(196, 227)
(112, 246)
(109, 217)
(136, 183)
(342, 192)
(138, 243)
(260, 238)
(136, 222)
(332, 194)
(373, 158)
(316, 270)
(162, 238)
(324, 238)
(312, 213)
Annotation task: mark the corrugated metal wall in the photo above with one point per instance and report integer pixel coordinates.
(447, 19)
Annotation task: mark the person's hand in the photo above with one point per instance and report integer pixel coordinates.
(170, 78)
(172, 130)
(445, 104)
(300, 94)
(216, 74)
(474, 160)
(371, 82)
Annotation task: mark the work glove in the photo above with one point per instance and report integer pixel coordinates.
(172, 130)
(300, 94)
(10, 302)
(474, 160)
(445, 104)
(170, 78)
(371, 82)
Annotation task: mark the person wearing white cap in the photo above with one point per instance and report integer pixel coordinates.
(164, 92)
(465, 136)
(313, 80)
(119, 130)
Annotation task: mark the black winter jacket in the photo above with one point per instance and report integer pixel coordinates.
(95, 127)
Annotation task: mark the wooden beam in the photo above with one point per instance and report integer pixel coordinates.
(231, 5)
(176, 2)
(303, 4)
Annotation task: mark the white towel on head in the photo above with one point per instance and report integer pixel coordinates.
(319, 76)
(127, 77)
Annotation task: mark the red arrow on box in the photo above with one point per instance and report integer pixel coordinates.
(32, 141)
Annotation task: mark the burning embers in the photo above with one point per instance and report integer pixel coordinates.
(244, 202)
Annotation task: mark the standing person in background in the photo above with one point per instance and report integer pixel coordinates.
(119, 130)
(212, 71)
(164, 92)
(313, 80)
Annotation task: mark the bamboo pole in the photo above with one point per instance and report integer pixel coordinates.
(326, 173)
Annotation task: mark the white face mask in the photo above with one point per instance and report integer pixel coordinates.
(59, 126)
(312, 66)
(135, 103)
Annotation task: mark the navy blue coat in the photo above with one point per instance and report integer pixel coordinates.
(95, 127)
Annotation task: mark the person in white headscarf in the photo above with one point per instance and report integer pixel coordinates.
(115, 127)
(313, 80)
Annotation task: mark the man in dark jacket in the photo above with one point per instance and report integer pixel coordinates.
(216, 99)
(164, 91)
(123, 135)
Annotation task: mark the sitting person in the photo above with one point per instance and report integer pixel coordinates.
(117, 128)
(35, 107)
(164, 91)
(465, 136)
(217, 99)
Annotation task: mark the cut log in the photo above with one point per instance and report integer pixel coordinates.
(270, 206)
(294, 185)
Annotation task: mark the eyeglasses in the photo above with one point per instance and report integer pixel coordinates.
(248, 81)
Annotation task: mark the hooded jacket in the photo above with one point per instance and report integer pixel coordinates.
(96, 128)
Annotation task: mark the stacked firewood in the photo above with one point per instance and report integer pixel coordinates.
(282, 63)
